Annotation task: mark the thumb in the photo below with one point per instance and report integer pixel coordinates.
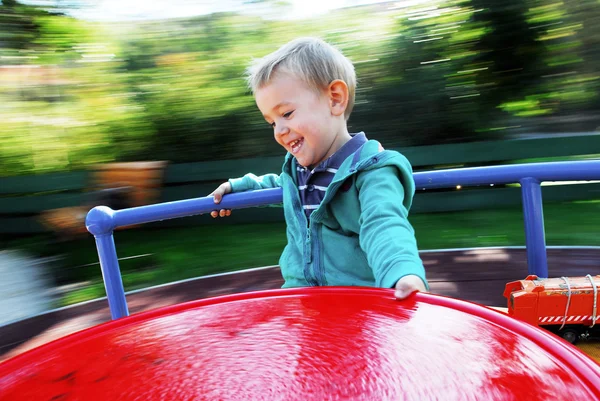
(401, 293)
(217, 197)
(404, 291)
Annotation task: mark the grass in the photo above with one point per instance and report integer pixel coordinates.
(167, 255)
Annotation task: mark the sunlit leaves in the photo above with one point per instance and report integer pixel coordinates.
(438, 71)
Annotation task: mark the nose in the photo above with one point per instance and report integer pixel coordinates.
(281, 129)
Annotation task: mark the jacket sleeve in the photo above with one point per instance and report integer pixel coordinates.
(385, 235)
(250, 182)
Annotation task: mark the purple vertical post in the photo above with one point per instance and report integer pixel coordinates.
(100, 222)
(535, 237)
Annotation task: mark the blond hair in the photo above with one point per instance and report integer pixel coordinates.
(311, 60)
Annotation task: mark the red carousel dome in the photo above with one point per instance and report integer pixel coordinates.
(322, 343)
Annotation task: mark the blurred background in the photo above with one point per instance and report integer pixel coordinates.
(158, 88)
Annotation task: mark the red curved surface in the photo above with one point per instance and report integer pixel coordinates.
(307, 344)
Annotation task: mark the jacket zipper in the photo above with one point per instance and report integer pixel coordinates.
(318, 271)
(316, 277)
(304, 222)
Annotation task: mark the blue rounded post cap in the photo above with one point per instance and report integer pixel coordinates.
(100, 220)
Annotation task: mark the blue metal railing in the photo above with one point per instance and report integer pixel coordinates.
(101, 221)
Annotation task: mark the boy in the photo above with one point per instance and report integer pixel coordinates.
(345, 199)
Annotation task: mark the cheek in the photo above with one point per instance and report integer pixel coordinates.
(277, 138)
(310, 131)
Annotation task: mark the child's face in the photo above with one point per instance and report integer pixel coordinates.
(302, 119)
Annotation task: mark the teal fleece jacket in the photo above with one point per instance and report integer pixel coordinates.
(360, 234)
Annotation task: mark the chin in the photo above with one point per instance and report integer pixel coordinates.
(303, 163)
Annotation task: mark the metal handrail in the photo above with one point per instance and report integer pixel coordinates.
(101, 221)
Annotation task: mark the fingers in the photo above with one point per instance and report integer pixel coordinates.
(217, 195)
(403, 293)
(407, 285)
(220, 213)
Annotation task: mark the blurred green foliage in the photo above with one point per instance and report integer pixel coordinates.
(73, 93)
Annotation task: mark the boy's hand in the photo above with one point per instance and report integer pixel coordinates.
(407, 285)
(217, 194)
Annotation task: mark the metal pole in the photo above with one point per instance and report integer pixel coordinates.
(533, 216)
(100, 222)
(111, 274)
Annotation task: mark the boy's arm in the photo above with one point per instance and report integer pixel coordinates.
(385, 235)
(250, 182)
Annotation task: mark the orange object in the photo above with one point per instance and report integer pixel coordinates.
(567, 306)
(135, 184)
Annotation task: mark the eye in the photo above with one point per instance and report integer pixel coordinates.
(288, 114)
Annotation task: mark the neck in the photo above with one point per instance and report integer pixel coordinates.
(340, 140)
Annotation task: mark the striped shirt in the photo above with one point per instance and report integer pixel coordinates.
(312, 184)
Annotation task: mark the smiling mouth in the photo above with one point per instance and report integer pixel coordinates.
(296, 145)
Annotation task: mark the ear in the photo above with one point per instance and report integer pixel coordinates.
(338, 97)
